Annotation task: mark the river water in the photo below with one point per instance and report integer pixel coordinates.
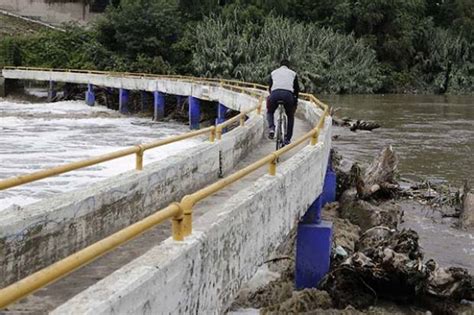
(434, 139)
(432, 135)
(36, 136)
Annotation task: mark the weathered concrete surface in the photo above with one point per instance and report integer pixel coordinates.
(231, 99)
(44, 232)
(230, 240)
(3, 91)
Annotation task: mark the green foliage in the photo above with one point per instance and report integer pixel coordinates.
(446, 55)
(139, 30)
(50, 48)
(337, 46)
(326, 61)
(10, 54)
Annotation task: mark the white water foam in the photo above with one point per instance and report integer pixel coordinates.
(39, 136)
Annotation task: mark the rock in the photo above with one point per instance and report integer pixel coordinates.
(366, 215)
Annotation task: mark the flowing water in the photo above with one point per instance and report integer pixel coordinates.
(434, 139)
(433, 135)
(36, 136)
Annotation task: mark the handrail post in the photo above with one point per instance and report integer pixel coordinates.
(139, 158)
(219, 132)
(177, 225)
(212, 136)
(187, 204)
(273, 165)
(259, 108)
(242, 119)
(314, 138)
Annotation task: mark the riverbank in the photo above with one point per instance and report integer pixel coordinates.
(377, 267)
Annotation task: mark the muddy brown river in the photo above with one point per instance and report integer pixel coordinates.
(433, 135)
(434, 139)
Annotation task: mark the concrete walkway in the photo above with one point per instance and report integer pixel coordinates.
(56, 294)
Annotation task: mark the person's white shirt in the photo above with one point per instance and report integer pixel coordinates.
(283, 78)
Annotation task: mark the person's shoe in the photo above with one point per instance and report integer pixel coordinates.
(287, 142)
(271, 134)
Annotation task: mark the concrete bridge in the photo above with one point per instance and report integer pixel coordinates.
(231, 200)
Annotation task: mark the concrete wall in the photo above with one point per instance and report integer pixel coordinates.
(37, 235)
(203, 274)
(50, 11)
(2, 87)
(231, 99)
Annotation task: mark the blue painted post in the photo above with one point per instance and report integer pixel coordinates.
(314, 238)
(221, 111)
(329, 189)
(51, 91)
(159, 105)
(313, 215)
(123, 101)
(313, 253)
(194, 112)
(90, 96)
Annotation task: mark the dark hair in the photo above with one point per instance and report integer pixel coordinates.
(284, 62)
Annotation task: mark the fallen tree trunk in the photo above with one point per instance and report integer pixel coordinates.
(379, 177)
(351, 124)
(376, 184)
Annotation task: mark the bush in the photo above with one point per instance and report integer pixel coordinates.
(326, 61)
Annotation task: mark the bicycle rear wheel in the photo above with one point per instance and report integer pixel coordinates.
(280, 141)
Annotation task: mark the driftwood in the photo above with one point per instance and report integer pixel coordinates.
(351, 124)
(388, 265)
(379, 177)
(377, 184)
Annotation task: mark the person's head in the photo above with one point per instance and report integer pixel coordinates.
(285, 62)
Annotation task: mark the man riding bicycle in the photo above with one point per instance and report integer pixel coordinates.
(283, 87)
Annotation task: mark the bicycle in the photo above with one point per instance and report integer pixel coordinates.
(281, 126)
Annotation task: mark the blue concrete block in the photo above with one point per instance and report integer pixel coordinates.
(159, 105)
(313, 215)
(194, 112)
(123, 101)
(90, 96)
(313, 253)
(221, 112)
(329, 188)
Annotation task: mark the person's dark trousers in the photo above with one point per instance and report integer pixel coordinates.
(289, 102)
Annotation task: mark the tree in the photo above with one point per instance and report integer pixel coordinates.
(148, 29)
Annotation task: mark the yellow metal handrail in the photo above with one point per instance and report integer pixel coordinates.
(62, 268)
(181, 213)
